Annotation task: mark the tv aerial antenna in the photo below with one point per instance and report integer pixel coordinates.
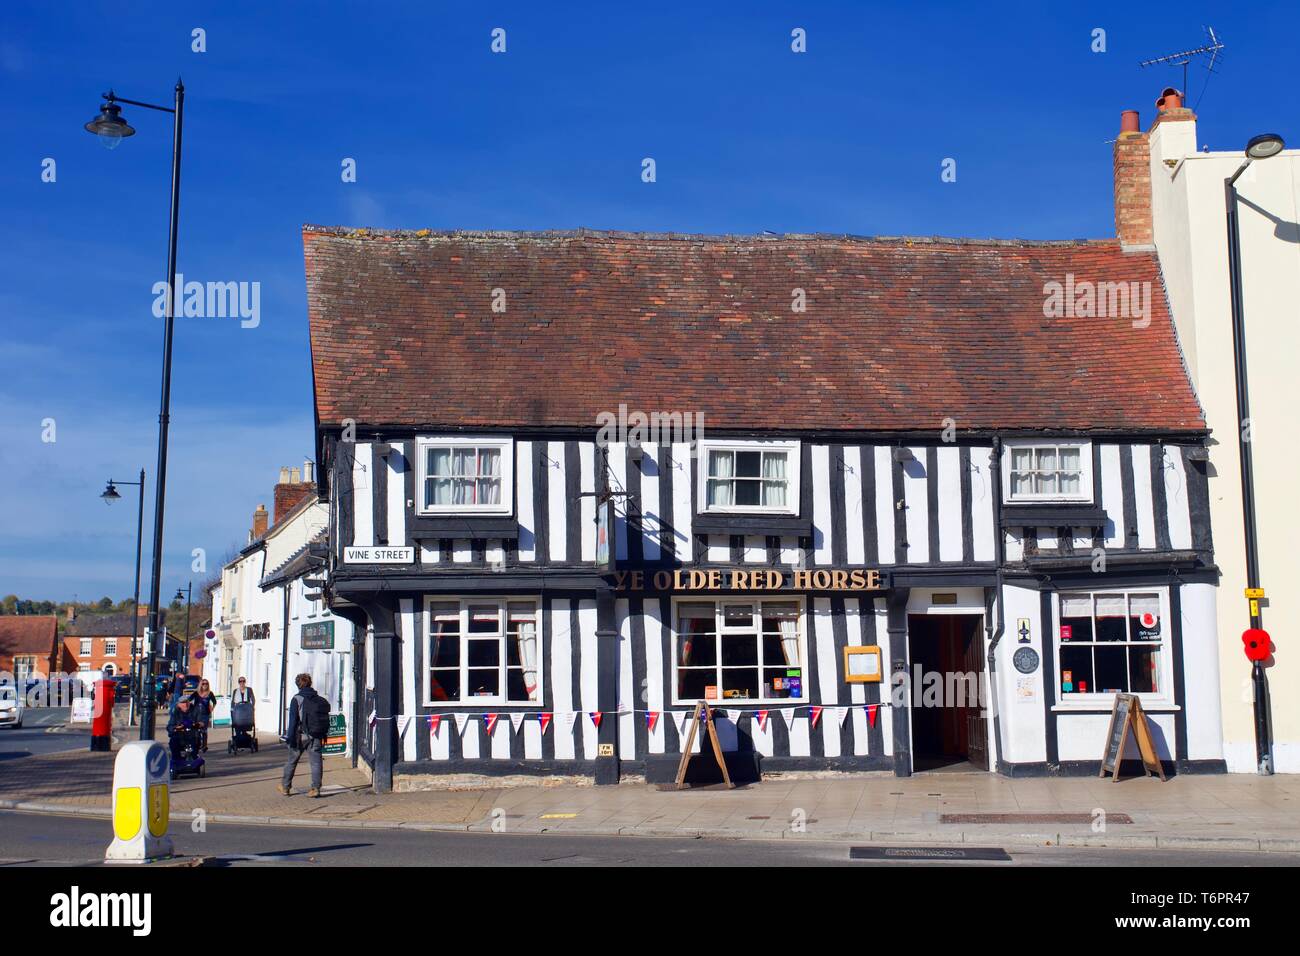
(1212, 51)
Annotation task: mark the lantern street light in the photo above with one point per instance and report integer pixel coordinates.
(110, 495)
(111, 128)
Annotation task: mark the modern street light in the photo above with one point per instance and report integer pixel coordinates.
(111, 128)
(1259, 147)
(188, 594)
(110, 495)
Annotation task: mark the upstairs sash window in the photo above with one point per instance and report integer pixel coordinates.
(466, 476)
(750, 477)
(1047, 471)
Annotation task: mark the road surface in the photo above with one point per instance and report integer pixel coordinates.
(35, 737)
(41, 839)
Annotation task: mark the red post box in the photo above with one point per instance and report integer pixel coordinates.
(101, 725)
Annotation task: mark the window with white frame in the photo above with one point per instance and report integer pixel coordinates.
(85, 647)
(749, 477)
(466, 475)
(738, 650)
(110, 647)
(1111, 642)
(482, 651)
(1047, 471)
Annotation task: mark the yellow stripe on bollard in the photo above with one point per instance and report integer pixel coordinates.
(158, 809)
(126, 813)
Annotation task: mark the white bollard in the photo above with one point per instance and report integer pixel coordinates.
(140, 804)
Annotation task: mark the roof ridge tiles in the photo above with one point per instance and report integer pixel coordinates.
(365, 232)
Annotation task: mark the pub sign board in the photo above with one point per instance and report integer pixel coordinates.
(317, 636)
(605, 535)
(766, 580)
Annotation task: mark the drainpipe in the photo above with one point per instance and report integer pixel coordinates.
(284, 654)
(999, 554)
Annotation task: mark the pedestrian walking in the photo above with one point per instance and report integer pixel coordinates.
(308, 725)
(205, 704)
(243, 694)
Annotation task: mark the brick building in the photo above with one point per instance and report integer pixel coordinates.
(29, 645)
(102, 642)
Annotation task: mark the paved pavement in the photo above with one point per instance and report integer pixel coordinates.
(1220, 813)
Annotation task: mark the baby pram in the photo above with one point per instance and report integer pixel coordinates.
(185, 740)
(243, 733)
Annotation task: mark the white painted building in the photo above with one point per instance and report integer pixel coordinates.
(1188, 227)
(270, 625)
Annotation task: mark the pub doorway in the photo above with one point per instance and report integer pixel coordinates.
(946, 657)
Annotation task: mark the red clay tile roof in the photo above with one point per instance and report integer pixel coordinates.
(28, 634)
(898, 334)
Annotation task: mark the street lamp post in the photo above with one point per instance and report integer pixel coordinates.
(185, 643)
(110, 495)
(110, 126)
(1260, 147)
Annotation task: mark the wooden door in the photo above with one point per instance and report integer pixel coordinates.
(977, 738)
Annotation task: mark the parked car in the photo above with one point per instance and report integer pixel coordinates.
(11, 707)
(122, 685)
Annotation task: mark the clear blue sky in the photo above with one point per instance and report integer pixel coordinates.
(747, 136)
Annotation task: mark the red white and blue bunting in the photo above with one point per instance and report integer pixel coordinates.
(812, 712)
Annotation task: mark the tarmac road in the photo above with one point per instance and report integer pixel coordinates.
(34, 737)
(42, 839)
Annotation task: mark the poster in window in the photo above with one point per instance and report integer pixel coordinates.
(1148, 626)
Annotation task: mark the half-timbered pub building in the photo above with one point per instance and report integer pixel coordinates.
(884, 503)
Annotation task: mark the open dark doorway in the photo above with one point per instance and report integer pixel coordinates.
(949, 729)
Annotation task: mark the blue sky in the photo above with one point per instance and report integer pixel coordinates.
(747, 136)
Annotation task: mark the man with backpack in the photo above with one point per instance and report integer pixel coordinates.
(309, 724)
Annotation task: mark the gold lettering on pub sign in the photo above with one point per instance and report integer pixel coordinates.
(759, 579)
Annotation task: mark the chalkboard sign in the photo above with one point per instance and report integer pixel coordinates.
(703, 712)
(1127, 715)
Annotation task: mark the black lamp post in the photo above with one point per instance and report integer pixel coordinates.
(110, 495)
(188, 593)
(112, 129)
(1260, 147)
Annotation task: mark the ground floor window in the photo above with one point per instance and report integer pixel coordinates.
(482, 651)
(738, 650)
(1111, 642)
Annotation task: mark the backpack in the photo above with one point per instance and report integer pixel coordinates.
(314, 715)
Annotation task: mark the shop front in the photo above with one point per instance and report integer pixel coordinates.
(863, 561)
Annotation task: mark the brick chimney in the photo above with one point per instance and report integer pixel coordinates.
(259, 521)
(72, 614)
(142, 610)
(292, 488)
(1133, 183)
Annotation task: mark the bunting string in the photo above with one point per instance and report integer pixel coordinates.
(570, 717)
